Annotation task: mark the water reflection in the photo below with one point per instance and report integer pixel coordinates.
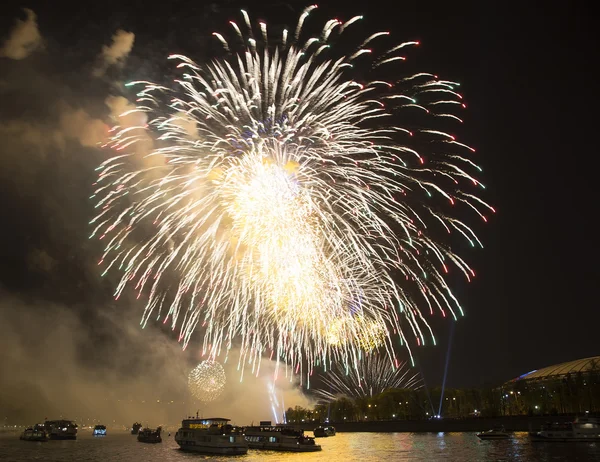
(344, 447)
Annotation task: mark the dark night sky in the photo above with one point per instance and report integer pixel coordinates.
(526, 74)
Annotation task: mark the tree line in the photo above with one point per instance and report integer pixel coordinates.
(570, 394)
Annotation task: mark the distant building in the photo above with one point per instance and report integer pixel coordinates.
(567, 388)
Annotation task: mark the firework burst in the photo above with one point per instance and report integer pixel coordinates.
(207, 381)
(371, 376)
(282, 207)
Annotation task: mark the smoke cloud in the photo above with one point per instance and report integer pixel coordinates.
(78, 124)
(24, 38)
(105, 367)
(116, 53)
(55, 364)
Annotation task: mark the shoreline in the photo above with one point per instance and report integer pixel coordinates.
(510, 423)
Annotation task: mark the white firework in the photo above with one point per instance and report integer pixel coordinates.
(207, 381)
(286, 211)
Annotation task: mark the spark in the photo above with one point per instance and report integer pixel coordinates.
(370, 376)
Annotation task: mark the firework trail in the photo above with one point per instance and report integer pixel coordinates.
(207, 381)
(372, 376)
(283, 207)
(277, 406)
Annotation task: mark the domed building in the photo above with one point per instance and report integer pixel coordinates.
(567, 388)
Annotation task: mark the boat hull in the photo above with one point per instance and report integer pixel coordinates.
(565, 439)
(39, 439)
(149, 435)
(283, 447)
(203, 449)
(62, 437)
(151, 439)
(493, 437)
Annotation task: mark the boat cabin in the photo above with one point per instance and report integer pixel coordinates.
(195, 423)
(213, 429)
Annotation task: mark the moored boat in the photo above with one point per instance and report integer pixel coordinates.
(210, 436)
(324, 431)
(582, 429)
(99, 430)
(60, 429)
(135, 428)
(498, 433)
(36, 433)
(149, 435)
(279, 438)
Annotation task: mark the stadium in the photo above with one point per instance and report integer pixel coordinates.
(567, 388)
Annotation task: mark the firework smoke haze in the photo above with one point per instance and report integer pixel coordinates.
(288, 212)
(117, 52)
(24, 38)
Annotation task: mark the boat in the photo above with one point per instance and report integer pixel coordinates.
(279, 438)
(60, 429)
(99, 430)
(498, 433)
(582, 429)
(149, 435)
(135, 428)
(210, 436)
(322, 432)
(37, 433)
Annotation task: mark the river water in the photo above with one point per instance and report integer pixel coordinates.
(344, 447)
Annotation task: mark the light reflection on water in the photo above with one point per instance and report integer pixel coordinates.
(344, 447)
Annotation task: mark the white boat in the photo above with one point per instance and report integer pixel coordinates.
(279, 438)
(498, 433)
(210, 436)
(583, 429)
